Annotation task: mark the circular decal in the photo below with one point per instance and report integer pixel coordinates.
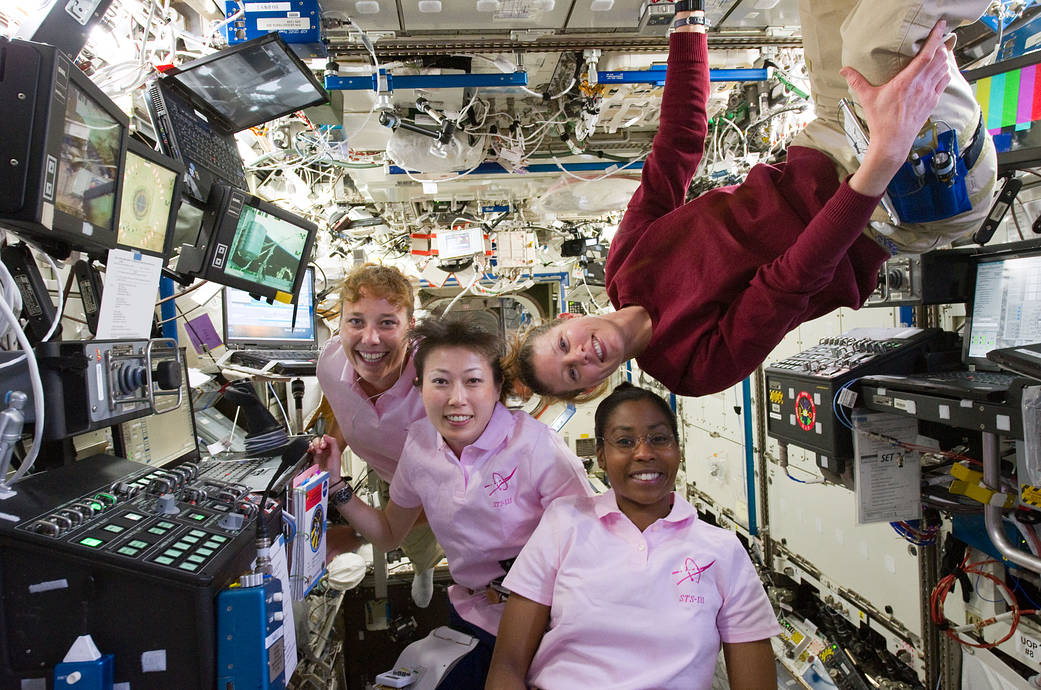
(805, 411)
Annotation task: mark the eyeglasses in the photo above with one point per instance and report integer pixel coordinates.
(658, 440)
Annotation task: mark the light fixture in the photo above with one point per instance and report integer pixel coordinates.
(367, 7)
(543, 5)
(429, 6)
(487, 5)
(601, 5)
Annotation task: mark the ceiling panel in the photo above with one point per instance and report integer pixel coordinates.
(456, 15)
(384, 20)
(759, 14)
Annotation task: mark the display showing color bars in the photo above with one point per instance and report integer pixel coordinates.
(1012, 99)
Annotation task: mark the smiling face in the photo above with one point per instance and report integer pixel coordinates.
(642, 477)
(374, 335)
(459, 394)
(578, 354)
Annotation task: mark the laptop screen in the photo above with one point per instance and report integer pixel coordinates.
(251, 83)
(251, 322)
(1006, 306)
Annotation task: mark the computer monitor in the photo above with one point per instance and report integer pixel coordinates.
(151, 196)
(1006, 305)
(250, 83)
(250, 244)
(250, 322)
(1009, 94)
(63, 144)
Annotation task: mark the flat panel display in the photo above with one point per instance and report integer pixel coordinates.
(151, 192)
(1006, 307)
(88, 166)
(266, 249)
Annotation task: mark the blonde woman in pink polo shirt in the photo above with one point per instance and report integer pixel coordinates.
(366, 374)
(483, 475)
(628, 589)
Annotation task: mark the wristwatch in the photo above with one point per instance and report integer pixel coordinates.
(692, 19)
(689, 5)
(339, 497)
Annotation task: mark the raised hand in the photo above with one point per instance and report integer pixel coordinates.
(326, 452)
(896, 110)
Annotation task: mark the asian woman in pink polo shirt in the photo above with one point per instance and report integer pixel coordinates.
(629, 589)
(483, 474)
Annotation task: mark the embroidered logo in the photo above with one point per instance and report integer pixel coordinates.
(499, 482)
(691, 571)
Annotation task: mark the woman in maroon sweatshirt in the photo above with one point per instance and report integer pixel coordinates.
(705, 290)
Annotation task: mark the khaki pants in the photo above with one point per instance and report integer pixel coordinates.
(878, 38)
(420, 544)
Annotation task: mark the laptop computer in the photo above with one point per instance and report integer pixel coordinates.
(198, 107)
(266, 337)
(1025, 360)
(1004, 312)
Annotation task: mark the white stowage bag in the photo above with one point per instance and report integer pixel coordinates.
(346, 571)
(418, 153)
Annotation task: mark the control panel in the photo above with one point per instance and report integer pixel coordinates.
(801, 389)
(133, 555)
(93, 384)
(162, 518)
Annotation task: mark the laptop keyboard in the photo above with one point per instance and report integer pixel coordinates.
(204, 148)
(258, 359)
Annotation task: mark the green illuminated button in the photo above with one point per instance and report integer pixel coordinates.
(98, 506)
(92, 542)
(189, 539)
(197, 533)
(196, 559)
(173, 553)
(204, 552)
(116, 529)
(138, 544)
(197, 516)
(191, 567)
(182, 546)
(127, 551)
(156, 530)
(134, 516)
(163, 560)
(211, 545)
(164, 524)
(219, 539)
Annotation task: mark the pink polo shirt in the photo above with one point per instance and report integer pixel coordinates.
(632, 610)
(484, 506)
(374, 430)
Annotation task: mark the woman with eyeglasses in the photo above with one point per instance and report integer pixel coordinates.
(629, 589)
(483, 474)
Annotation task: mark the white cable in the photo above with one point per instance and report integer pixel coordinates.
(61, 299)
(605, 175)
(278, 400)
(477, 277)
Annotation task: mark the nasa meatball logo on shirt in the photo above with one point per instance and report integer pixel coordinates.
(687, 579)
(501, 488)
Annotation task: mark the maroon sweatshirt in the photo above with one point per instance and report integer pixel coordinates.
(728, 275)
